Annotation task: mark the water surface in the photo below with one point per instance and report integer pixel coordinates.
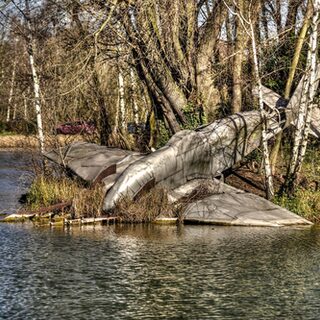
(159, 272)
(152, 272)
(15, 175)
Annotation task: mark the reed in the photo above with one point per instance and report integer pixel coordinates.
(146, 208)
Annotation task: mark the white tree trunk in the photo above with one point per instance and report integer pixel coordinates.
(312, 65)
(14, 115)
(35, 80)
(122, 99)
(134, 97)
(37, 103)
(13, 77)
(266, 156)
(299, 124)
(116, 120)
(25, 109)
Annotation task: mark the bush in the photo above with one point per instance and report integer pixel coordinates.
(144, 209)
(3, 127)
(21, 126)
(305, 203)
(47, 191)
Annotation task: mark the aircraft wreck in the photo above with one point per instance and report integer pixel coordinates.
(189, 158)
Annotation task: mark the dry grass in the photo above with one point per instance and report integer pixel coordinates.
(145, 209)
(31, 142)
(18, 141)
(47, 191)
(88, 202)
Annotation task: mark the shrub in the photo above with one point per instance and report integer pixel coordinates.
(46, 191)
(305, 203)
(144, 209)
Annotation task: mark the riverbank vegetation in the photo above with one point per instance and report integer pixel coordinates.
(85, 202)
(46, 191)
(140, 71)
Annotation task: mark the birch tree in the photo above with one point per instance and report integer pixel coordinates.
(303, 121)
(35, 77)
(292, 71)
(12, 83)
(122, 105)
(134, 98)
(249, 29)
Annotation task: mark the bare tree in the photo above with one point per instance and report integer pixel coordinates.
(303, 121)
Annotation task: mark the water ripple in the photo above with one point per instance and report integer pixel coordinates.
(156, 272)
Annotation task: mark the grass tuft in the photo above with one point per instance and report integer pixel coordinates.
(146, 208)
(88, 202)
(305, 203)
(47, 191)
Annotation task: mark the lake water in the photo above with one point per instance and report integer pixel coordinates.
(15, 176)
(159, 272)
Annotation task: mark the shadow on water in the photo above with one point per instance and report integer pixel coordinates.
(159, 272)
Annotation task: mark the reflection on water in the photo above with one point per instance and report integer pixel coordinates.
(160, 272)
(15, 177)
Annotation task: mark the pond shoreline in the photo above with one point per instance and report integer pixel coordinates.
(226, 212)
(15, 142)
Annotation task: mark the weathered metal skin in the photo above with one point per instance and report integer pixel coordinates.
(203, 153)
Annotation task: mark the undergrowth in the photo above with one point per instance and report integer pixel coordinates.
(146, 208)
(305, 203)
(306, 199)
(47, 191)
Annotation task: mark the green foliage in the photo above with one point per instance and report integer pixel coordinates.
(254, 157)
(163, 134)
(276, 63)
(311, 165)
(305, 203)
(194, 120)
(18, 126)
(6, 133)
(4, 130)
(46, 191)
(306, 200)
(193, 116)
(3, 127)
(21, 126)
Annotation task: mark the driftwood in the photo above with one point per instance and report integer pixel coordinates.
(52, 209)
(24, 214)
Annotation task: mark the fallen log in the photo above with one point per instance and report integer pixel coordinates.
(24, 214)
(56, 208)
